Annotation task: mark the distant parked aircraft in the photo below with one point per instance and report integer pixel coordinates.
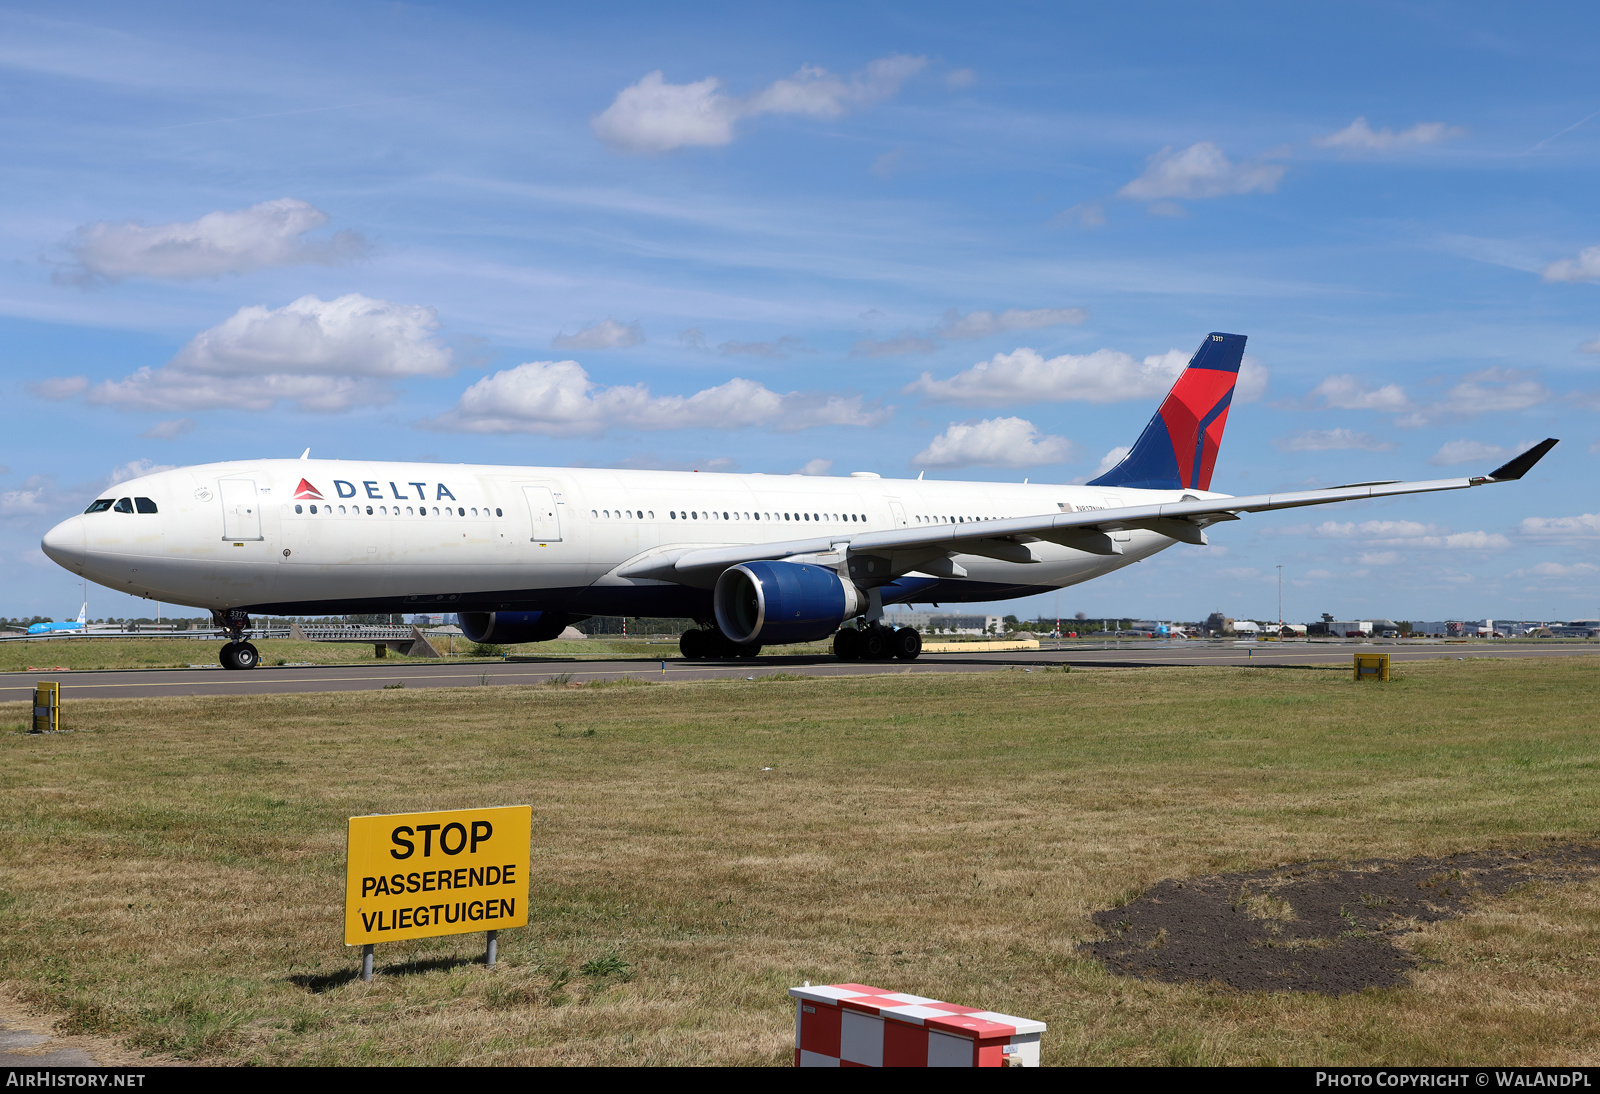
(520, 553)
(57, 628)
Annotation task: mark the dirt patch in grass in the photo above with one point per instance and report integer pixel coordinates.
(1313, 927)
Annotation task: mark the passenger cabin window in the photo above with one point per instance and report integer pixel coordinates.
(124, 505)
(99, 506)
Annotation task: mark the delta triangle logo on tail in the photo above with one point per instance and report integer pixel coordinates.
(306, 490)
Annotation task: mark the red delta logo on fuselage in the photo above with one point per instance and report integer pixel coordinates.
(306, 490)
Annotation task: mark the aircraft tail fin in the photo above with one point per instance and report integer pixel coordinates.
(83, 613)
(1178, 449)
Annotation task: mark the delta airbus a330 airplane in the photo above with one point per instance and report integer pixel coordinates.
(521, 552)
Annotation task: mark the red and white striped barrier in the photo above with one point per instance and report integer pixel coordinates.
(854, 1025)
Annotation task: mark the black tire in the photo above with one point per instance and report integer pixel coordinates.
(875, 645)
(246, 656)
(693, 646)
(225, 658)
(907, 643)
(847, 644)
(748, 651)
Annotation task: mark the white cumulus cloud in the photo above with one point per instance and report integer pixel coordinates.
(1480, 393)
(557, 398)
(994, 442)
(271, 233)
(1556, 569)
(606, 334)
(982, 324)
(321, 355)
(36, 497)
(1586, 267)
(1590, 347)
(136, 469)
(59, 387)
(1331, 440)
(1111, 459)
(1359, 136)
(818, 466)
(167, 430)
(655, 116)
(1104, 376)
(1200, 171)
(1410, 533)
(1349, 393)
(1468, 451)
(1582, 526)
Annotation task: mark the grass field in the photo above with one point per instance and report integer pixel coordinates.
(171, 870)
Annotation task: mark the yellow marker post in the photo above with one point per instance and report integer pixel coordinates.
(47, 707)
(418, 875)
(1372, 666)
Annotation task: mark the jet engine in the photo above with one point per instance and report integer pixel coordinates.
(771, 603)
(510, 628)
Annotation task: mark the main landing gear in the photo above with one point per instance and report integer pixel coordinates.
(877, 643)
(709, 644)
(237, 654)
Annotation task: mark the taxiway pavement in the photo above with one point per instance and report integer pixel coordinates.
(157, 683)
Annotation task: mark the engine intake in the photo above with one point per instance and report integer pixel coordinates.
(772, 603)
(511, 628)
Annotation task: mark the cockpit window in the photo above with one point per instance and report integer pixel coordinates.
(124, 505)
(99, 506)
(144, 505)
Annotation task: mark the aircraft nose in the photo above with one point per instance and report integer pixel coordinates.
(64, 544)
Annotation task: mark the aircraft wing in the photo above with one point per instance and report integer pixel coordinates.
(1088, 531)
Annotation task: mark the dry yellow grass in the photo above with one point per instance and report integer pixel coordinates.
(171, 872)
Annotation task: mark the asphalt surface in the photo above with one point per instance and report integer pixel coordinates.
(153, 683)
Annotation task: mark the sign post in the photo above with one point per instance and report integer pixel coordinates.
(47, 707)
(418, 875)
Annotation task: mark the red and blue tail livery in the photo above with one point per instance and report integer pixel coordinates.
(1178, 449)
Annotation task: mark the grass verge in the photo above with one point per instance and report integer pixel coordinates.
(171, 872)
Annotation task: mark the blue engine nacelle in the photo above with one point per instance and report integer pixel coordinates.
(511, 628)
(771, 603)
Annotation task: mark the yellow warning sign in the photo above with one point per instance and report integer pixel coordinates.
(414, 875)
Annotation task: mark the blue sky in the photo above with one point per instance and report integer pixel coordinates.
(778, 240)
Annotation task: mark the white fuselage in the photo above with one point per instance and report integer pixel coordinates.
(424, 536)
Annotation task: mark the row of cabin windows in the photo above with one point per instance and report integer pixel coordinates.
(952, 520)
(394, 510)
(712, 514)
(122, 505)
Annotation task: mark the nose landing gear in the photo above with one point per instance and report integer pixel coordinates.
(237, 654)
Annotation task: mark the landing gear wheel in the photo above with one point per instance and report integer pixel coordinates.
(246, 656)
(749, 651)
(693, 645)
(847, 644)
(907, 643)
(225, 658)
(875, 644)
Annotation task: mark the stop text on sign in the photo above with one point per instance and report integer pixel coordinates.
(415, 875)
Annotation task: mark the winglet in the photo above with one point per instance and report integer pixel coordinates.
(1519, 466)
(306, 455)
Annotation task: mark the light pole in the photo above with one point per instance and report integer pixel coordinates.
(1280, 599)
